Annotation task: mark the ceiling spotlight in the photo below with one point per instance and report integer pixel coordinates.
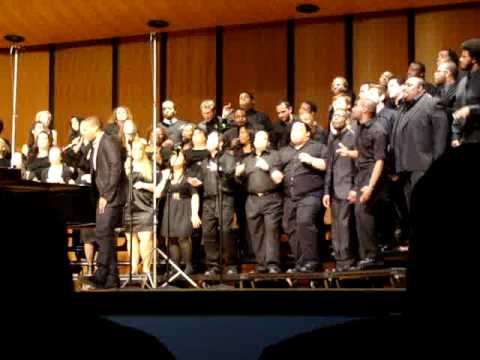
(14, 38)
(307, 8)
(158, 23)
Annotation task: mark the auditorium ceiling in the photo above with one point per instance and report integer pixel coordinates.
(59, 21)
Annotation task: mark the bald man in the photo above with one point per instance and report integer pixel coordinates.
(419, 136)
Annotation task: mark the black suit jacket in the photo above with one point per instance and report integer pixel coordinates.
(339, 180)
(109, 177)
(419, 134)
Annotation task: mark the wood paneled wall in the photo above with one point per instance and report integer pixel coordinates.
(191, 71)
(135, 82)
(379, 43)
(318, 62)
(255, 60)
(32, 93)
(83, 85)
(436, 30)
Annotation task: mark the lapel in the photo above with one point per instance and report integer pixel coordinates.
(410, 114)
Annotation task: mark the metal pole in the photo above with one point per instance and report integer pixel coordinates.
(14, 49)
(154, 42)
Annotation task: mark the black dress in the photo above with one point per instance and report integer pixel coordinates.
(176, 221)
(36, 166)
(142, 207)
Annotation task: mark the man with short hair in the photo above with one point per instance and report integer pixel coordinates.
(240, 119)
(340, 192)
(217, 175)
(446, 80)
(261, 172)
(110, 182)
(211, 122)
(171, 123)
(417, 69)
(419, 135)
(257, 119)
(304, 165)
(280, 135)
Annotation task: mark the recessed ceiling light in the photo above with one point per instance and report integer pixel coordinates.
(307, 8)
(14, 38)
(158, 23)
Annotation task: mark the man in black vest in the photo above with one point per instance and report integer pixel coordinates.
(304, 165)
(261, 172)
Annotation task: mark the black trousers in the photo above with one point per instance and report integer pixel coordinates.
(107, 270)
(365, 218)
(342, 231)
(210, 233)
(264, 216)
(300, 217)
(244, 241)
(409, 180)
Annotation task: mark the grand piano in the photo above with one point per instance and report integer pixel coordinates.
(75, 203)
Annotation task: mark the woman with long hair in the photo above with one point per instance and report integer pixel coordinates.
(117, 120)
(139, 214)
(181, 209)
(37, 159)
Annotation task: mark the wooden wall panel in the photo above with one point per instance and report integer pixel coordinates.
(135, 82)
(436, 30)
(32, 91)
(379, 43)
(255, 60)
(319, 57)
(191, 71)
(83, 84)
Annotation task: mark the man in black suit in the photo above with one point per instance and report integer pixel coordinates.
(467, 117)
(446, 80)
(109, 180)
(419, 135)
(258, 119)
(339, 191)
(280, 136)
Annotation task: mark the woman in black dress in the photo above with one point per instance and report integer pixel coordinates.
(180, 214)
(139, 214)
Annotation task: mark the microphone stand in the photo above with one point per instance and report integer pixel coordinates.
(220, 212)
(14, 51)
(154, 38)
(130, 205)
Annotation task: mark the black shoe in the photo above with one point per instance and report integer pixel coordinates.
(92, 282)
(309, 268)
(273, 269)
